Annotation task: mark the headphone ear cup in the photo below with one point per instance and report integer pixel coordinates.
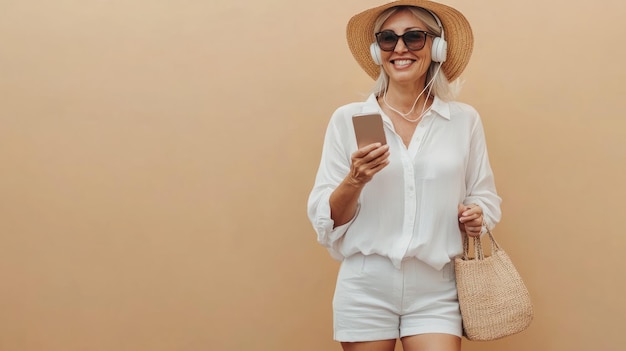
(375, 52)
(439, 50)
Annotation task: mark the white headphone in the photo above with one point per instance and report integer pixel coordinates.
(438, 52)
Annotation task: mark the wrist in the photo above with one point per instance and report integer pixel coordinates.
(353, 182)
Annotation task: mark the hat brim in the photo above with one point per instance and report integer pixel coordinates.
(457, 31)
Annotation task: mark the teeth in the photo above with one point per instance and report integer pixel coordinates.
(402, 62)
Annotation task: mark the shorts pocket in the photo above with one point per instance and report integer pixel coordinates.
(352, 266)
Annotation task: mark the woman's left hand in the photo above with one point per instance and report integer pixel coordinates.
(471, 219)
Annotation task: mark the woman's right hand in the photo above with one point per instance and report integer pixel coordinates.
(366, 162)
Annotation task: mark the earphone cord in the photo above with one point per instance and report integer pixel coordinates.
(404, 115)
(428, 86)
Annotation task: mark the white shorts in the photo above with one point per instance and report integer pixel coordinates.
(376, 301)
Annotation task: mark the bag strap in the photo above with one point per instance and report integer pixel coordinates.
(478, 246)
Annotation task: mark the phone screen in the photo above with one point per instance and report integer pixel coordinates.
(368, 128)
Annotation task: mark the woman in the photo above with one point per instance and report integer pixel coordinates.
(393, 213)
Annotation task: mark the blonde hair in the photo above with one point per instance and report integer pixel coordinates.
(441, 87)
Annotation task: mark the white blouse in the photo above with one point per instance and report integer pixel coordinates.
(409, 208)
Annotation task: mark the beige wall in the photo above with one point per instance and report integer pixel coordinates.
(156, 156)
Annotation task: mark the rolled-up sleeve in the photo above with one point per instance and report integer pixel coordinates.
(328, 235)
(480, 184)
(334, 166)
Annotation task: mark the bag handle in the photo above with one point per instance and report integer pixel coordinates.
(478, 246)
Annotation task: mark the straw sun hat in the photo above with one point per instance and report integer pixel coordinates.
(457, 32)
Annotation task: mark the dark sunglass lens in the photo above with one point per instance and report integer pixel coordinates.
(414, 40)
(387, 40)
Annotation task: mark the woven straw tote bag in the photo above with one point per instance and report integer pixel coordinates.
(493, 298)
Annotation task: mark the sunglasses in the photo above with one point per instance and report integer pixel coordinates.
(413, 39)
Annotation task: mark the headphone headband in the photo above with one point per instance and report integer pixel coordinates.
(440, 45)
(438, 22)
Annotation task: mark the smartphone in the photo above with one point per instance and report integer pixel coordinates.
(368, 128)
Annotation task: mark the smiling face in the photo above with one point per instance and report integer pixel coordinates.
(406, 66)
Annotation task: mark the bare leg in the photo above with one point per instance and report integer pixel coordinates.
(431, 342)
(381, 345)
